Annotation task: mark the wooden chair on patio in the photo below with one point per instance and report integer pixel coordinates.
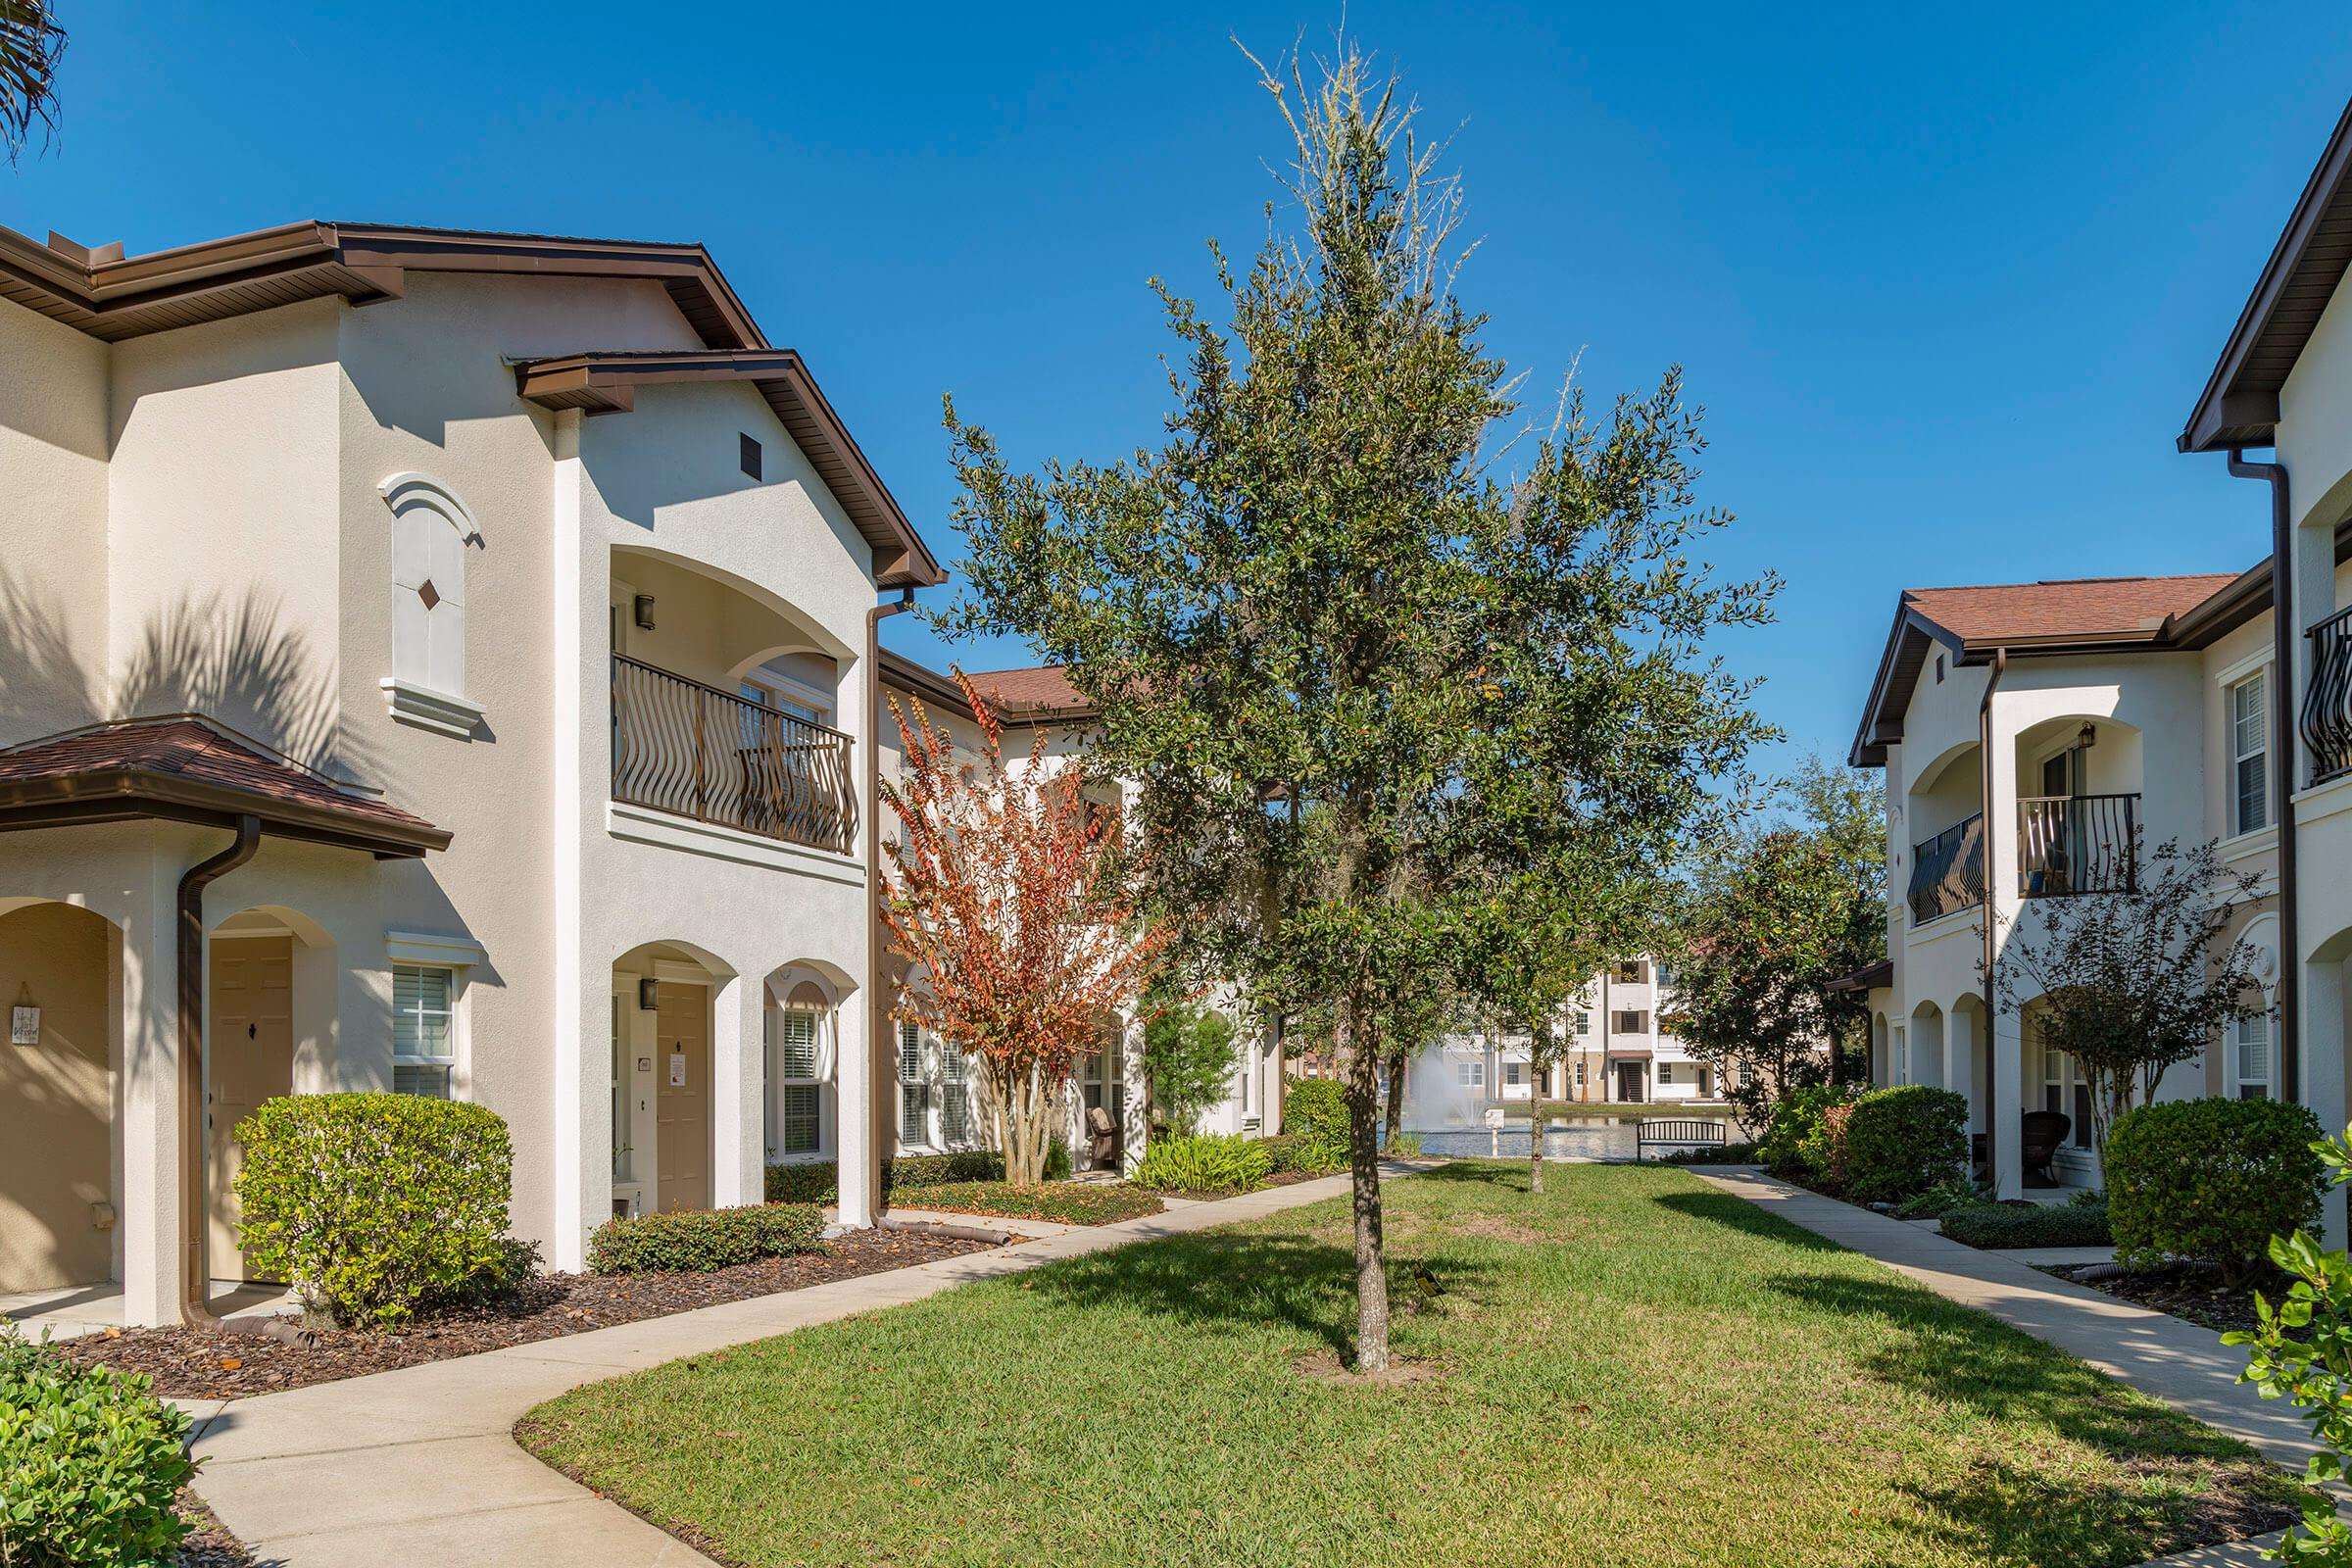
(2040, 1135)
(1102, 1137)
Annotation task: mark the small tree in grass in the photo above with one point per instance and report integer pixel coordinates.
(1347, 659)
(1015, 896)
(2130, 983)
(1189, 1053)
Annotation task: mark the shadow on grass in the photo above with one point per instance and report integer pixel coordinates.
(1244, 1280)
(1480, 1173)
(1723, 1208)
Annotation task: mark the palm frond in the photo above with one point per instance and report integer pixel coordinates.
(31, 43)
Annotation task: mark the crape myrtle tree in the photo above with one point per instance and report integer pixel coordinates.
(2129, 984)
(1347, 661)
(1016, 897)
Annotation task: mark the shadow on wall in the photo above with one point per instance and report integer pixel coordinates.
(231, 658)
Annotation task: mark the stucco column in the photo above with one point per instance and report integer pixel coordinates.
(854, 1126)
(2322, 1032)
(1135, 1117)
(738, 1079)
(1959, 1054)
(582, 1178)
(148, 1198)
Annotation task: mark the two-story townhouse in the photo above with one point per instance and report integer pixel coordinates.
(430, 661)
(2284, 380)
(939, 1104)
(2038, 739)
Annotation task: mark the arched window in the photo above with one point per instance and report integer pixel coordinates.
(431, 531)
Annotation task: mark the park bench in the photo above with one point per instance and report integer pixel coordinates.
(1701, 1134)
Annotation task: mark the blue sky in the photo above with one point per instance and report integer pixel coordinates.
(1948, 286)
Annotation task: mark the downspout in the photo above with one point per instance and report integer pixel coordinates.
(873, 875)
(2283, 762)
(195, 1215)
(1992, 1169)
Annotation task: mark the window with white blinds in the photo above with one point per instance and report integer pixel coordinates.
(2252, 1057)
(915, 1092)
(796, 1046)
(424, 1039)
(955, 1096)
(2249, 755)
(795, 1119)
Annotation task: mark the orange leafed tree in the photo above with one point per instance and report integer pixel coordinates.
(1015, 894)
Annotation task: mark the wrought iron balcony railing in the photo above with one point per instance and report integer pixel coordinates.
(1947, 871)
(2325, 721)
(682, 747)
(2077, 844)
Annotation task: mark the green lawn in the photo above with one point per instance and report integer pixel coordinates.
(1632, 1369)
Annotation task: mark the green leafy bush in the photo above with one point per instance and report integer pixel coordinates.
(517, 1261)
(90, 1464)
(1900, 1142)
(1315, 1109)
(1939, 1199)
(366, 1202)
(2211, 1180)
(1792, 1146)
(699, 1240)
(1205, 1164)
(1188, 1058)
(1405, 1144)
(1716, 1155)
(1995, 1226)
(1061, 1202)
(2300, 1350)
(1284, 1152)
(818, 1181)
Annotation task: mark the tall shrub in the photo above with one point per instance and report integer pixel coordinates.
(90, 1464)
(1901, 1141)
(1317, 1111)
(1791, 1147)
(1188, 1058)
(2211, 1180)
(364, 1203)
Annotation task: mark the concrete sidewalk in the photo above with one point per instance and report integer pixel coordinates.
(420, 1466)
(2186, 1366)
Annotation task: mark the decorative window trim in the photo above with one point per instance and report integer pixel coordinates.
(420, 948)
(2233, 796)
(427, 708)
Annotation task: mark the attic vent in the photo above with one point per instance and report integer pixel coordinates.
(1939, 669)
(751, 457)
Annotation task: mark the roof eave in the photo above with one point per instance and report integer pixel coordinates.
(129, 793)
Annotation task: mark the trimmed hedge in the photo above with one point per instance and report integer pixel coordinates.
(1995, 1226)
(698, 1241)
(368, 1203)
(90, 1464)
(1315, 1110)
(1061, 1202)
(1284, 1152)
(818, 1181)
(1718, 1154)
(1205, 1164)
(1900, 1142)
(1792, 1148)
(2211, 1181)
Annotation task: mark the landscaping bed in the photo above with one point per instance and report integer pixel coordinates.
(209, 1545)
(2194, 1295)
(197, 1363)
(1841, 1415)
(1057, 1202)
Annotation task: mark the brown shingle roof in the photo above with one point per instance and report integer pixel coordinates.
(1038, 689)
(183, 768)
(2080, 606)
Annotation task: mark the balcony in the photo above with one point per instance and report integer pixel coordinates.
(2325, 721)
(1947, 871)
(692, 750)
(2068, 843)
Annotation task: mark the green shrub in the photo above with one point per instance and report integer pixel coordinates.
(366, 1203)
(818, 1181)
(2001, 1225)
(1404, 1145)
(2211, 1181)
(1791, 1147)
(1284, 1152)
(1317, 1111)
(1205, 1164)
(1061, 1202)
(1188, 1058)
(1939, 1199)
(1716, 1155)
(517, 1261)
(699, 1240)
(1900, 1142)
(90, 1464)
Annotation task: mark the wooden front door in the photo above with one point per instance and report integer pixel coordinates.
(682, 1107)
(252, 1060)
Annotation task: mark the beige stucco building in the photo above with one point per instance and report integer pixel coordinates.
(515, 593)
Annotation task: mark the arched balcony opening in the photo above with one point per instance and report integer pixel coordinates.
(2078, 807)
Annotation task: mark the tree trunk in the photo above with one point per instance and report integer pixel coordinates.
(1364, 1166)
(1538, 1069)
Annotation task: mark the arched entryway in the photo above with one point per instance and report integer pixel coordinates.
(60, 981)
(664, 1033)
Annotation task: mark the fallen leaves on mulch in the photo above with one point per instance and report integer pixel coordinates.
(198, 1363)
(209, 1545)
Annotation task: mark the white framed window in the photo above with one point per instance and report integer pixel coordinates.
(431, 530)
(1470, 1074)
(1250, 1081)
(1514, 1074)
(1665, 1072)
(1580, 1022)
(425, 1047)
(794, 698)
(1898, 1048)
(955, 1096)
(2250, 1056)
(794, 1109)
(2066, 1091)
(914, 1088)
(2249, 755)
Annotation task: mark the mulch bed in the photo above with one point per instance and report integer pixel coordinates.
(209, 1545)
(211, 1365)
(2195, 1295)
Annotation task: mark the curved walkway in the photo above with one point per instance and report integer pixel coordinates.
(420, 1466)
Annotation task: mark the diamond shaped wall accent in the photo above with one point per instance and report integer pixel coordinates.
(428, 593)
